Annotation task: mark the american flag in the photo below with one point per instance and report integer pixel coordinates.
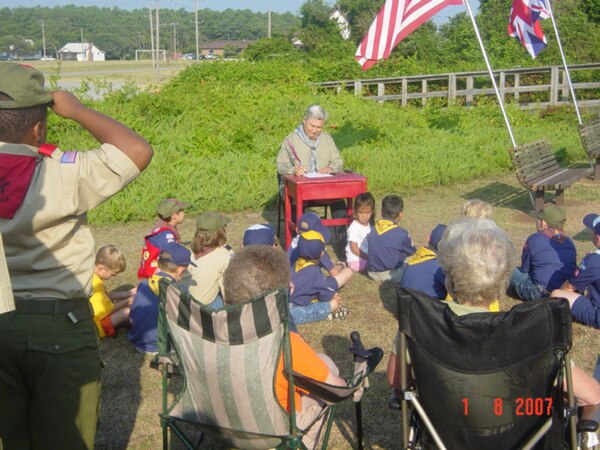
(396, 20)
(524, 24)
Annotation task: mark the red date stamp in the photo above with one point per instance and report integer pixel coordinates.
(523, 406)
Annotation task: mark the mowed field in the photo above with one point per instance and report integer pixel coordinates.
(131, 391)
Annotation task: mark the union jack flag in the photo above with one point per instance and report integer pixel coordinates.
(524, 24)
(396, 20)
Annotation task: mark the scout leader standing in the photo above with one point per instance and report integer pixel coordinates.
(49, 359)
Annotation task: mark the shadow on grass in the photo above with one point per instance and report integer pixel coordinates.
(387, 294)
(502, 195)
(120, 398)
(378, 422)
(349, 135)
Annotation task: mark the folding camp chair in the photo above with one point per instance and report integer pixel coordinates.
(228, 360)
(485, 380)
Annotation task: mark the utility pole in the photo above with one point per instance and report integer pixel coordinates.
(174, 40)
(152, 39)
(82, 46)
(197, 38)
(269, 26)
(44, 40)
(157, 41)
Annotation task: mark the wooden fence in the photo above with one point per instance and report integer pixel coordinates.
(535, 87)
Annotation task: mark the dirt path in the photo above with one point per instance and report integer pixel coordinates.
(131, 391)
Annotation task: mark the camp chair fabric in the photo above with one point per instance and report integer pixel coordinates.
(487, 380)
(231, 355)
(228, 358)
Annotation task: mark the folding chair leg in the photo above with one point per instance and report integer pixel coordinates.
(359, 431)
(331, 413)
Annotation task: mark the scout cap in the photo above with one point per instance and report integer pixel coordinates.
(553, 216)
(24, 84)
(592, 221)
(179, 255)
(310, 245)
(311, 221)
(211, 221)
(259, 234)
(436, 236)
(170, 206)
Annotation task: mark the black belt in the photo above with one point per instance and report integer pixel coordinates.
(75, 310)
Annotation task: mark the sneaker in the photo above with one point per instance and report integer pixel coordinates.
(339, 314)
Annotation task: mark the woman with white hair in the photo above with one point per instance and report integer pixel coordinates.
(308, 149)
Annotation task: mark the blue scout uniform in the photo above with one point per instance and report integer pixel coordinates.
(549, 260)
(325, 262)
(587, 309)
(144, 314)
(423, 273)
(389, 245)
(310, 284)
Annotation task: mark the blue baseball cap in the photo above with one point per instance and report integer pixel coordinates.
(310, 245)
(592, 221)
(259, 234)
(311, 221)
(179, 255)
(436, 236)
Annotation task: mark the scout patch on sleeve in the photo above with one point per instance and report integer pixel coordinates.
(68, 157)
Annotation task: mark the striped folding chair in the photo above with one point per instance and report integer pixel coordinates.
(228, 358)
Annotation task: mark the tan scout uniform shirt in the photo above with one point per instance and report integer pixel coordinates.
(206, 279)
(7, 302)
(328, 154)
(48, 244)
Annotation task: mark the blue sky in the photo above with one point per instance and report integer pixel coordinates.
(218, 5)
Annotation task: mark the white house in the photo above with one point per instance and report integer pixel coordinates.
(78, 51)
(342, 23)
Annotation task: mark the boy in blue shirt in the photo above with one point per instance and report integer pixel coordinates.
(314, 296)
(585, 309)
(388, 243)
(172, 263)
(549, 257)
(423, 271)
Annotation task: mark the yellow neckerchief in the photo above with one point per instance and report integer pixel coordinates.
(302, 263)
(153, 283)
(384, 225)
(492, 307)
(421, 255)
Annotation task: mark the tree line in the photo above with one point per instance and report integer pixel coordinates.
(120, 32)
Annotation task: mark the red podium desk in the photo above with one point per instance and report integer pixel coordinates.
(301, 189)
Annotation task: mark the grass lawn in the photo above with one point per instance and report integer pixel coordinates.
(131, 396)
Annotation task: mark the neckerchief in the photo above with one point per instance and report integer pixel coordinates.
(302, 263)
(384, 225)
(154, 279)
(556, 234)
(204, 251)
(421, 255)
(312, 144)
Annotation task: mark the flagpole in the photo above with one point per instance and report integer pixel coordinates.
(564, 60)
(489, 68)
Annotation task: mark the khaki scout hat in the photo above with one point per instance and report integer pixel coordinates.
(553, 216)
(24, 84)
(211, 221)
(170, 206)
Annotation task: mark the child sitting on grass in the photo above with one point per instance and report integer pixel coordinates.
(172, 263)
(110, 310)
(165, 231)
(389, 245)
(357, 248)
(314, 296)
(211, 258)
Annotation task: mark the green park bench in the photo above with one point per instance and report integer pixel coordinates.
(538, 171)
(590, 139)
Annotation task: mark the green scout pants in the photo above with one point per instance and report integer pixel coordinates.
(49, 376)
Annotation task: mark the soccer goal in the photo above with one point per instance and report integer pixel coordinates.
(144, 55)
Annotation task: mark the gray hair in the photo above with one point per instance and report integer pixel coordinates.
(315, 112)
(477, 257)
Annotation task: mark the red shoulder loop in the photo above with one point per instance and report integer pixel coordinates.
(47, 149)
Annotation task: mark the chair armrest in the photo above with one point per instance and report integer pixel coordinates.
(589, 419)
